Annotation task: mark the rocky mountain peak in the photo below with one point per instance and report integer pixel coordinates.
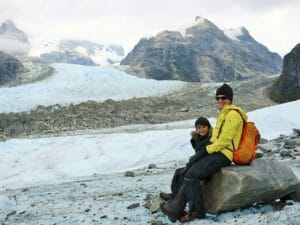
(9, 26)
(202, 53)
(13, 40)
(201, 25)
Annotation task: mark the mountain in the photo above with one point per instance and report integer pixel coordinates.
(65, 57)
(13, 40)
(9, 67)
(204, 53)
(80, 52)
(287, 86)
(99, 53)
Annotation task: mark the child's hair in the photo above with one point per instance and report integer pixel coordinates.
(202, 121)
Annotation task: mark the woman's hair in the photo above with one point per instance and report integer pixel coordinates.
(202, 121)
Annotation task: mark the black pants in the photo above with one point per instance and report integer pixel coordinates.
(202, 170)
(190, 189)
(177, 180)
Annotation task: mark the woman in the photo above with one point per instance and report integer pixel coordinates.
(218, 154)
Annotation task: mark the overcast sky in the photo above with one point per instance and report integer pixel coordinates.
(274, 23)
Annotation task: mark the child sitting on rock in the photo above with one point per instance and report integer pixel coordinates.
(199, 139)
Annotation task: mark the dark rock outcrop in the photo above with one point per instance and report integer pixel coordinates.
(9, 68)
(204, 53)
(240, 186)
(287, 87)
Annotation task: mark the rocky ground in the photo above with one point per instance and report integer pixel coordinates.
(189, 103)
(126, 198)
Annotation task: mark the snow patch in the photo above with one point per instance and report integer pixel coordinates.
(233, 33)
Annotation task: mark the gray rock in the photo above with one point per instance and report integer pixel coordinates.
(297, 131)
(134, 205)
(263, 141)
(265, 148)
(153, 203)
(240, 186)
(152, 166)
(157, 222)
(290, 143)
(259, 154)
(285, 153)
(129, 174)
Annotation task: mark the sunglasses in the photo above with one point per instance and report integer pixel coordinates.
(222, 98)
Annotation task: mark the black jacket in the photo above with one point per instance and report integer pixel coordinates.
(199, 142)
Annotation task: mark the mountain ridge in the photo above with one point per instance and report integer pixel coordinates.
(204, 54)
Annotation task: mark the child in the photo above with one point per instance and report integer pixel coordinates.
(200, 138)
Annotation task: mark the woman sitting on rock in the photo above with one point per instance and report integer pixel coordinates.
(218, 154)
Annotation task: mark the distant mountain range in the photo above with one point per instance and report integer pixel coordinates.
(12, 40)
(287, 86)
(204, 53)
(83, 52)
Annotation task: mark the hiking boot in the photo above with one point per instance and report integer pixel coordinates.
(165, 196)
(188, 217)
(173, 217)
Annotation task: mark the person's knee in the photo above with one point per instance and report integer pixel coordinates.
(193, 174)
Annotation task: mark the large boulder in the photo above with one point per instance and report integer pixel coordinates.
(240, 186)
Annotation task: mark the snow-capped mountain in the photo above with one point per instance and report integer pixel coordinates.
(13, 41)
(202, 52)
(100, 54)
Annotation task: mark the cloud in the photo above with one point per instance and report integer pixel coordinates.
(127, 21)
(13, 46)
